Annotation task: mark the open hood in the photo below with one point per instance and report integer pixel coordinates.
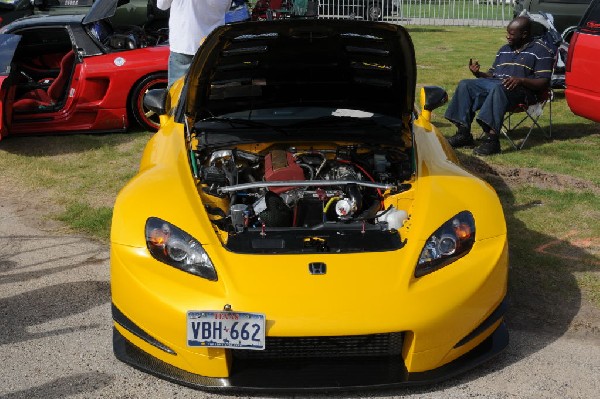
(367, 66)
(102, 9)
(8, 45)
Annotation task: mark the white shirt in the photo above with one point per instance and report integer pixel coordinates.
(190, 21)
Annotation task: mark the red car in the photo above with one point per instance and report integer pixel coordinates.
(75, 73)
(583, 64)
(271, 9)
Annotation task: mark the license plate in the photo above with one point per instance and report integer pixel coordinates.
(226, 329)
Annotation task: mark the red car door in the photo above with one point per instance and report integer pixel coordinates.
(583, 64)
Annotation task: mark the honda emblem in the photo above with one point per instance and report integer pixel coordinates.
(317, 268)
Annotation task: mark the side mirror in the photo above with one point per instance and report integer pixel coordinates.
(433, 97)
(156, 100)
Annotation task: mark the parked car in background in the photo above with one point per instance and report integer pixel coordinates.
(566, 13)
(129, 12)
(583, 66)
(78, 73)
(297, 224)
(266, 10)
(371, 10)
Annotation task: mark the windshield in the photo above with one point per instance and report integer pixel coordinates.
(8, 45)
(590, 23)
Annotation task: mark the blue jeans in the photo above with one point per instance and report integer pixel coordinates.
(178, 65)
(487, 96)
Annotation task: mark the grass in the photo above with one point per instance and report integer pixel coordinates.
(93, 221)
(551, 213)
(76, 177)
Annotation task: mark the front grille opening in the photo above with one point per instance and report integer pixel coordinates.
(374, 345)
(322, 362)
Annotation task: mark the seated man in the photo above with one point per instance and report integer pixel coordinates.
(522, 68)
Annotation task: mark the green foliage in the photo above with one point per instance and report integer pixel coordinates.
(93, 221)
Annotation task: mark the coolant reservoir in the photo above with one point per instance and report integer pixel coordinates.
(393, 217)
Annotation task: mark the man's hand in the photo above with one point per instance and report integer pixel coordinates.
(512, 82)
(535, 84)
(474, 67)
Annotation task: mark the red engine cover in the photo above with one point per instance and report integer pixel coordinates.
(280, 166)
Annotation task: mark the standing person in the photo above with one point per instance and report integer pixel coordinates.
(190, 21)
(522, 69)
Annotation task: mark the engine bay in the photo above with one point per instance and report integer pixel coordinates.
(318, 197)
(126, 37)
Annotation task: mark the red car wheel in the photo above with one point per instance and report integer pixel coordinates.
(145, 117)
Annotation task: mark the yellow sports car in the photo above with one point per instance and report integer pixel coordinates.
(297, 224)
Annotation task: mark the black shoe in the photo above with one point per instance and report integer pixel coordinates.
(490, 146)
(461, 139)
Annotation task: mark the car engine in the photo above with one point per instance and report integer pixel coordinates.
(306, 189)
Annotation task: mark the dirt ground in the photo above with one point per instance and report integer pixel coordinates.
(514, 177)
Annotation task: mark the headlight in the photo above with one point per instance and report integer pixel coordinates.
(453, 240)
(177, 248)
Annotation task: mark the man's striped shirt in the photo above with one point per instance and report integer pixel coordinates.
(535, 60)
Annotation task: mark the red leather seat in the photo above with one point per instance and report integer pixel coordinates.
(38, 67)
(37, 98)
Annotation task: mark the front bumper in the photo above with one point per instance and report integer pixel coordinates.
(455, 323)
(314, 374)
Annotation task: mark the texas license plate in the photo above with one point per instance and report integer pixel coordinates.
(226, 329)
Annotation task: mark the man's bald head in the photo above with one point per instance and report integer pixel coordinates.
(518, 32)
(521, 24)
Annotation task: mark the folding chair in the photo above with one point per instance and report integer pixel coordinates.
(531, 113)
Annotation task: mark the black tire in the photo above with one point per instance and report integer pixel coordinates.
(373, 11)
(146, 118)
